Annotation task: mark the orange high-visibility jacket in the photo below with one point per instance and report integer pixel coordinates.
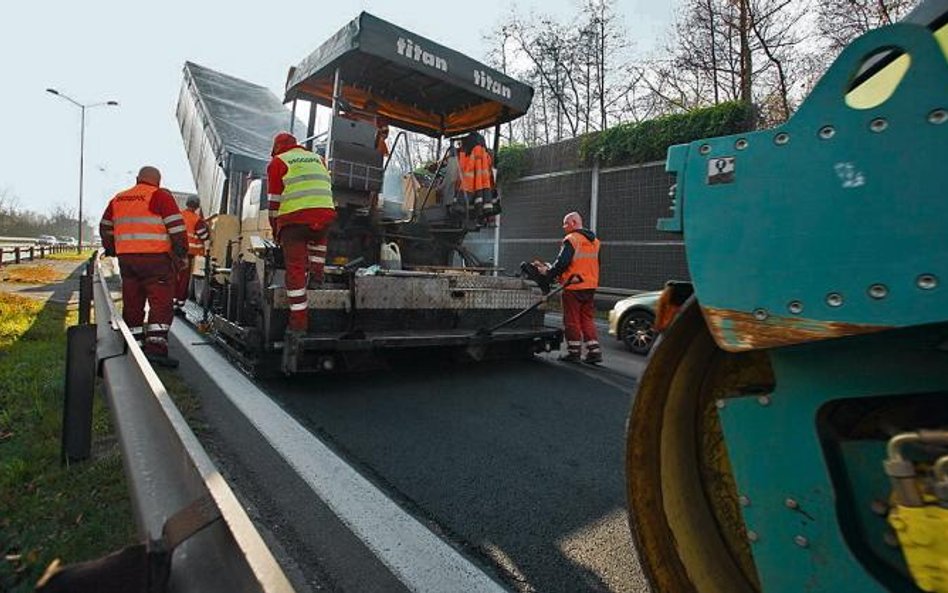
(197, 231)
(136, 228)
(477, 170)
(585, 262)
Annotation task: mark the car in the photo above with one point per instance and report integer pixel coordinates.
(70, 241)
(632, 320)
(47, 240)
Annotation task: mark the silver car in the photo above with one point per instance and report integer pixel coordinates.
(632, 320)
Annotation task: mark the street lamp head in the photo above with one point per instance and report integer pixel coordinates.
(112, 103)
(53, 91)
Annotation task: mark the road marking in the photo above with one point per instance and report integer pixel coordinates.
(421, 560)
(583, 368)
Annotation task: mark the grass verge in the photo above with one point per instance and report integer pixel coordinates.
(71, 255)
(33, 275)
(48, 511)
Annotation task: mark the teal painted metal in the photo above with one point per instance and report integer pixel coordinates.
(833, 223)
(829, 226)
(862, 492)
(777, 454)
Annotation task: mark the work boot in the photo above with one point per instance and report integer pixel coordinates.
(593, 357)
(570, 357)
(162, 360)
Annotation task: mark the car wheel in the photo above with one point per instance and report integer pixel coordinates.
(637, 331)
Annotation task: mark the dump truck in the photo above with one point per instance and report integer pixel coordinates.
(443, 296)
(790, 430)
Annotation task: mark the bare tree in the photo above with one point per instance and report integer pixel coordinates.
(611, 59)
(841, 21)
(724, 50)
(9, 202)
(578, 67)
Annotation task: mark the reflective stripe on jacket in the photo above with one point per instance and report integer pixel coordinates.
(585, 262)
(135, 227)
(477, 174)
(196, 237)
(305, 183)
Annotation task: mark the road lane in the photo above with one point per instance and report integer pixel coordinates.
(520, 463)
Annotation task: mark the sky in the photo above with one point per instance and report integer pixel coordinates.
(133, 52)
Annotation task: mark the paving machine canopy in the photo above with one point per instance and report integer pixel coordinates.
(417, 84)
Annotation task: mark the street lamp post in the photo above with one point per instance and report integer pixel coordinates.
(82, 144)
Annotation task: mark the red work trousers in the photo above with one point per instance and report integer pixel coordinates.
(183, 281)
(148, 277)
(304, 250)
(579, 321)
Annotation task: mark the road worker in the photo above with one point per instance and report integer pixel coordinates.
(198, 235)
(579, 257)
(477, 175)
(301, 212)
(144, 228)
(381, 138)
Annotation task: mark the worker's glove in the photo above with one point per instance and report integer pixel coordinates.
(532, 272)
(541, 266)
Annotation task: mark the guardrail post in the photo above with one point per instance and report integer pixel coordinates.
(85, 297)
(31, 252)
(16, 255)
(80, 383)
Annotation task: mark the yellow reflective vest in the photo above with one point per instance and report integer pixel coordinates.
(306, 182)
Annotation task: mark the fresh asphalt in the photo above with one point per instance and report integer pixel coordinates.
(518, 465)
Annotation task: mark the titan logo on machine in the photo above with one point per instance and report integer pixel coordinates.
(411, 50)
(483, 80)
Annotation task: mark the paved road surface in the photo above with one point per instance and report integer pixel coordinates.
(519, 465)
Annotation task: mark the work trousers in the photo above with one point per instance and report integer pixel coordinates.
(183, 281)
(304, 250)
(579, 321)
(148, 277)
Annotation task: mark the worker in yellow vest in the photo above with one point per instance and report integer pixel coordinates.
(301, 212)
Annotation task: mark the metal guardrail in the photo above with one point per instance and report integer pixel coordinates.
(18, 240)
(17, 253)
(171, 476)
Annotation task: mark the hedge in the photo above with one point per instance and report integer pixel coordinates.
(649, 140)
(511, 162)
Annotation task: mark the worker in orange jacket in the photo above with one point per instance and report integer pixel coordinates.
(144, 228)
(198, 234)
(477, 175)
(578, 260)
(301, 212)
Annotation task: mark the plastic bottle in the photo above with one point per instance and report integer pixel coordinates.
(390, 257)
